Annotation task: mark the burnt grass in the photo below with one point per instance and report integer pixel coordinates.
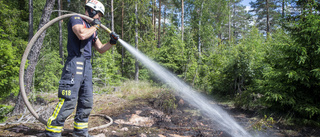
(166, 116)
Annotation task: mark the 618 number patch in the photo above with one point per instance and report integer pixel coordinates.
(66, 92)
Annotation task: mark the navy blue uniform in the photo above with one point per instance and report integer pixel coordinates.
(74, 44)
(75, 86)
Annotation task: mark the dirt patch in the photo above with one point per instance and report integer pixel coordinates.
(22, 130)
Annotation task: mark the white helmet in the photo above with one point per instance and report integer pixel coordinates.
(96, 5)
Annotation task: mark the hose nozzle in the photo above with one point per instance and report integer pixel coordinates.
(105, 28)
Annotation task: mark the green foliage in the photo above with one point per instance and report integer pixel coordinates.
(209, 72)
(167, 101)
(13, 24)
(10, 20)
(263, 124)
(105, 69)
(239, 65)
(4, 110)
(9, 72)
(290, 83)
(192, 59)
(172, 54)
(302, 70)
(12, 33)
(48, 71)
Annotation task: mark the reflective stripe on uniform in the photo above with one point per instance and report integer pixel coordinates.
(56, 129)
(80, 68)
(80, 125)
(79, 73)
(79, 63)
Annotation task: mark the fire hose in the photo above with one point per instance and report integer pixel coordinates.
(23, 63)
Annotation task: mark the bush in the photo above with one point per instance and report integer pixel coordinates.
(9, 69)
(4, 110)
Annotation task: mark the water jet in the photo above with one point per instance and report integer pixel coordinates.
(213, 111)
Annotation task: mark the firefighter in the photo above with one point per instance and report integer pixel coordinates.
(75, 85)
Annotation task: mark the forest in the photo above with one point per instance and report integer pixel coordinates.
(265, 59)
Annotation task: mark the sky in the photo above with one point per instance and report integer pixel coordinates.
(246, 3)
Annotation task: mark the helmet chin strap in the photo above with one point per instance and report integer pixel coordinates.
(91, 14)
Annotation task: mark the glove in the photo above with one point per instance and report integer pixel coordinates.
(96, 23)
(113, 38)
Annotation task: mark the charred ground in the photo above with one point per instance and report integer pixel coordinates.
(157, 115)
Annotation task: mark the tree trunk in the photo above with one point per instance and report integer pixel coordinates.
(154, 19)
(164, 19)
(122, 36)
(220, 37)
(112, 21)
(60, 33)
(182, 19)
(229, 22)
(282, 12)
(282, 8)
(234, 22)
(159, 29)
(112, 17)
(199, 44)
(34, 54)
(30, 20)
(268, 26)
(136, 76)
(199, 36)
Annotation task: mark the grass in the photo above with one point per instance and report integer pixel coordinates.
(139, 89)
(111, 101)
(131, 90)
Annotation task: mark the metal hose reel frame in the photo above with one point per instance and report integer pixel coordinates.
(24, 59)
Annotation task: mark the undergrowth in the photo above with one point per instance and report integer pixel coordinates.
(4, 110)
(138, 89)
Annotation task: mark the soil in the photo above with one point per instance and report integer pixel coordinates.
(157, 118)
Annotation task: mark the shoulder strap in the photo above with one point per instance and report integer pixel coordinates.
(84, 24)
(82, 45)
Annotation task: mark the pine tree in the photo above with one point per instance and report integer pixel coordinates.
(267, 15)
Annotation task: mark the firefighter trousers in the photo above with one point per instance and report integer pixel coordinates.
(75, 89)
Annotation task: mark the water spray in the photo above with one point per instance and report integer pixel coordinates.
(213, 111)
